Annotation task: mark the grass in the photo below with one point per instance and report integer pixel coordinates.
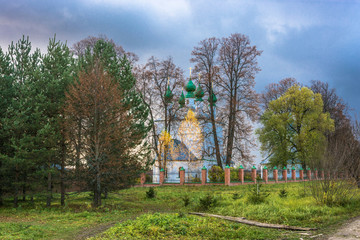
(165, 215)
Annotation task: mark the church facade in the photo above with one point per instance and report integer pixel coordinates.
(192, 146)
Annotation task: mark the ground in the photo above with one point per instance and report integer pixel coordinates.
(128, 214)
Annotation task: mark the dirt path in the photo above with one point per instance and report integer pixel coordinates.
(348, 231)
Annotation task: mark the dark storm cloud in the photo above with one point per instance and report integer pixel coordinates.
(303, 39)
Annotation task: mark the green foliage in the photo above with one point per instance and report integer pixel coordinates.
(294, 127)
(39, 222)
(283, 193)
(216, 174)
(256, 194)
(236, 196)
(151, 193)
(207, 202)
(186, 200)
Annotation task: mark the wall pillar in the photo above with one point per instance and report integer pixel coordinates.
(227, 175)
(301, 173)
(284, 174)
(316, 174)
(253, 174)
(162, 176)
(309, 174)
(203, 175)
(142, 178)
(241, 174)
(293, 174)
(275, 174)
(322, 174)
(182, 176)
(265, 174)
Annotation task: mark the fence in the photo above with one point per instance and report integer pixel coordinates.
(231, 176)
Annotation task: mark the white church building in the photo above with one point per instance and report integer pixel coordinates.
(187, 151)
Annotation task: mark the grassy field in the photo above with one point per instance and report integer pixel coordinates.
(128, 214)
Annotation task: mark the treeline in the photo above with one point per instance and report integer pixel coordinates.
(69, 117)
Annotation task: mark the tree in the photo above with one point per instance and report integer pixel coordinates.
(275, 90)
(158, 82)
(294, 126)
(238, 66)
(120, 69)
(205, 58)
(229, 66)
(24, 120)
(57, 73)
(6, 96)
(108, 134)
(333, 104)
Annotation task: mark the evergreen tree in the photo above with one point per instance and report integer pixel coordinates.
(6, 96)
(24, 118)
(57, 74)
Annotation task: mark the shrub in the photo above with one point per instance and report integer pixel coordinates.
(186, 200)
(333, 191)
(148, 178)
(236, 196)
(247, 176)
(216, 174)
(283, 193)
(195, 179)
(256, 194)
(207, 202)
(150, 193)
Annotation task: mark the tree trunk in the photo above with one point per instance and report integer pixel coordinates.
(216, 141)
(24, 189)
(231, 129)
(1, 187)
(49, 190)
(16, 188)
(78, 150)
(62, 171)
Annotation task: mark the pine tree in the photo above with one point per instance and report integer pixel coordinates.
(57, 74)
(6, 95)
(24, 119)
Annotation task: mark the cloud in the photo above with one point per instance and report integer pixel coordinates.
(280, 18)
(164, 10)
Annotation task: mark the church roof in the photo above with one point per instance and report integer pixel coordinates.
(190, 88)
(168, 95)
(199, 93)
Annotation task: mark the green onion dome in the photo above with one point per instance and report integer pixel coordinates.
(199, 93)
(182, 99)
(190, 88)
(168, 95)
(214, 99)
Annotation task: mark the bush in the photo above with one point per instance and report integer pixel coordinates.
(207, 202)
(216, 174)
(333, 191)
(283, 193)
(195, 179)
(150, 193)
(247, 176)
(186, 200)
(256, 195)
(236, 196)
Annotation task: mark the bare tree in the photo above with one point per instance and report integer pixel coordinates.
(158, 82)
(275, 90)
(238, 66)
(205, 57)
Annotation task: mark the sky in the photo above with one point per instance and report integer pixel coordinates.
(306, 40)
